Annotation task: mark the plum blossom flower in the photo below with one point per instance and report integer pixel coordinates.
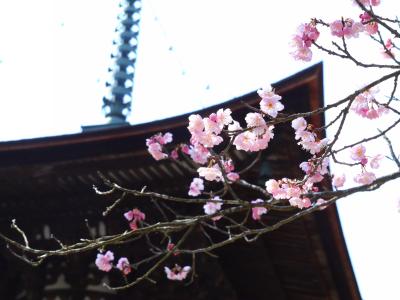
(299, 124)
(154, 145)
(366, 106)
(347, 28)
(388, 53)
(374, 162)
(134, 216)
(273, 187)
(270, 103)
(177, 272)
(256, 138)
(104, 261)
(210, 173)
(300, 202)
(302, 41)
(233, 176)
(199, 153)
(258, 211)
(357, 152)
(196, 124)
(365, 178)
(338, 181)
(369, 26)
(170, 247)
(124, 265)
(211, 208)
(196, 187)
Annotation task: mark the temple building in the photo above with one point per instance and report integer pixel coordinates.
(46, 186)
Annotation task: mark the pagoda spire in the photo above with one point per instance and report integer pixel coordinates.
(117, 104)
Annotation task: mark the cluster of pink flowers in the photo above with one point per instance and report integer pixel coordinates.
(366, 105)
(177, 272)
(155, 145)
(206, 131)
(314, 170)
(104, 263)
(214, 173)
(270, 102)
(134, 216)
(358, 153)
(347, 28)
(257, 137)
(302, 41)
(258, 211)
(198, 153)
(196, 187)
(288, 189)
(307, 139)
(370, 26)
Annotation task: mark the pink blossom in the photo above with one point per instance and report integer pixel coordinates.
(338, 181)
(211, 208)
(302, 41)
(357, 152)
(177, 272)
(374, 162)
(299, 202)
(257, 138)
(299, 124)
(307, 167)
(370, 27)
(346, 28)
(104, 261)
(270, 103)
(124, 266)
(196, 124)
(272, 187)
(233, 176)
(271, 107)
(211, 174)
(155, 150)
(387, 53)
(155, 142)
(185, 149)
(256, 121)
(224, 117)
(211, 125)
(199, 153)
(235, 126)
(258, 211)
(314, 147)
(365, 178)
(196, 187)
(366, 106)
(134, 216)
(174, 154)
(170, 247)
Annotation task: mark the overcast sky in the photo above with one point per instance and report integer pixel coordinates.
(54, 56)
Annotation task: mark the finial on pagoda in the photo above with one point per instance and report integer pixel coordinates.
(117, 104)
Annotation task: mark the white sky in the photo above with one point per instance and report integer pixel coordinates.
(54, 57)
